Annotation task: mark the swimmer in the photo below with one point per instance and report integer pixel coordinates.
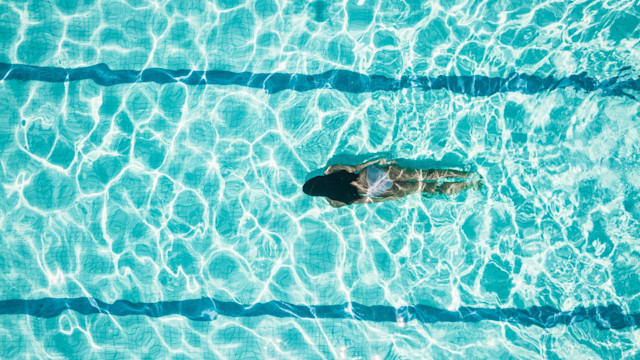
(382, 180)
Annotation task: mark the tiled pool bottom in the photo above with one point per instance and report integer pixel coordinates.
(139, 235)
(146, 214)
(99, 336)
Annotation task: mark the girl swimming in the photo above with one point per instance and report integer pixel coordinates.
(382, 180)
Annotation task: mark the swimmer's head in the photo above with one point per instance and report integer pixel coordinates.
(316, 186)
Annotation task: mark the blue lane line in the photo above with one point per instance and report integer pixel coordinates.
(340, 80)
(206, 309)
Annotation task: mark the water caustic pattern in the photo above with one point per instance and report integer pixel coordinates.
(152, 196)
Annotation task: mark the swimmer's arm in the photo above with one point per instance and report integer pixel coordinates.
(338, 167)
(381, 161)
(336, 204)
(366, 199)
(363, 200)
(356, 168)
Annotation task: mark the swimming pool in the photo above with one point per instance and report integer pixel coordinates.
(152, 157)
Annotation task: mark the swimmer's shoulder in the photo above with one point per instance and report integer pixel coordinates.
(338, 167)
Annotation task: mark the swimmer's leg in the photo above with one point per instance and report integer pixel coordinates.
(401, 189)
(450, 188)
(399, 174)
(404, 188)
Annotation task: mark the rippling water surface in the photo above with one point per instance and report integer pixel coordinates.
(160, 213)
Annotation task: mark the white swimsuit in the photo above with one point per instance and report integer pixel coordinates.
(378, 181)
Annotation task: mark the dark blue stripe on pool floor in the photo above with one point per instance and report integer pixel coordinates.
(340, 80)
(206, 309)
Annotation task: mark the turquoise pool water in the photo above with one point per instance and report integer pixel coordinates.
(147, 192)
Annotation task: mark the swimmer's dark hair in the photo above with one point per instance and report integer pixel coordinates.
(335, 186)
(316, 186)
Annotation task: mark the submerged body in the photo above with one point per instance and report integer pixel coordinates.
(380, 180)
